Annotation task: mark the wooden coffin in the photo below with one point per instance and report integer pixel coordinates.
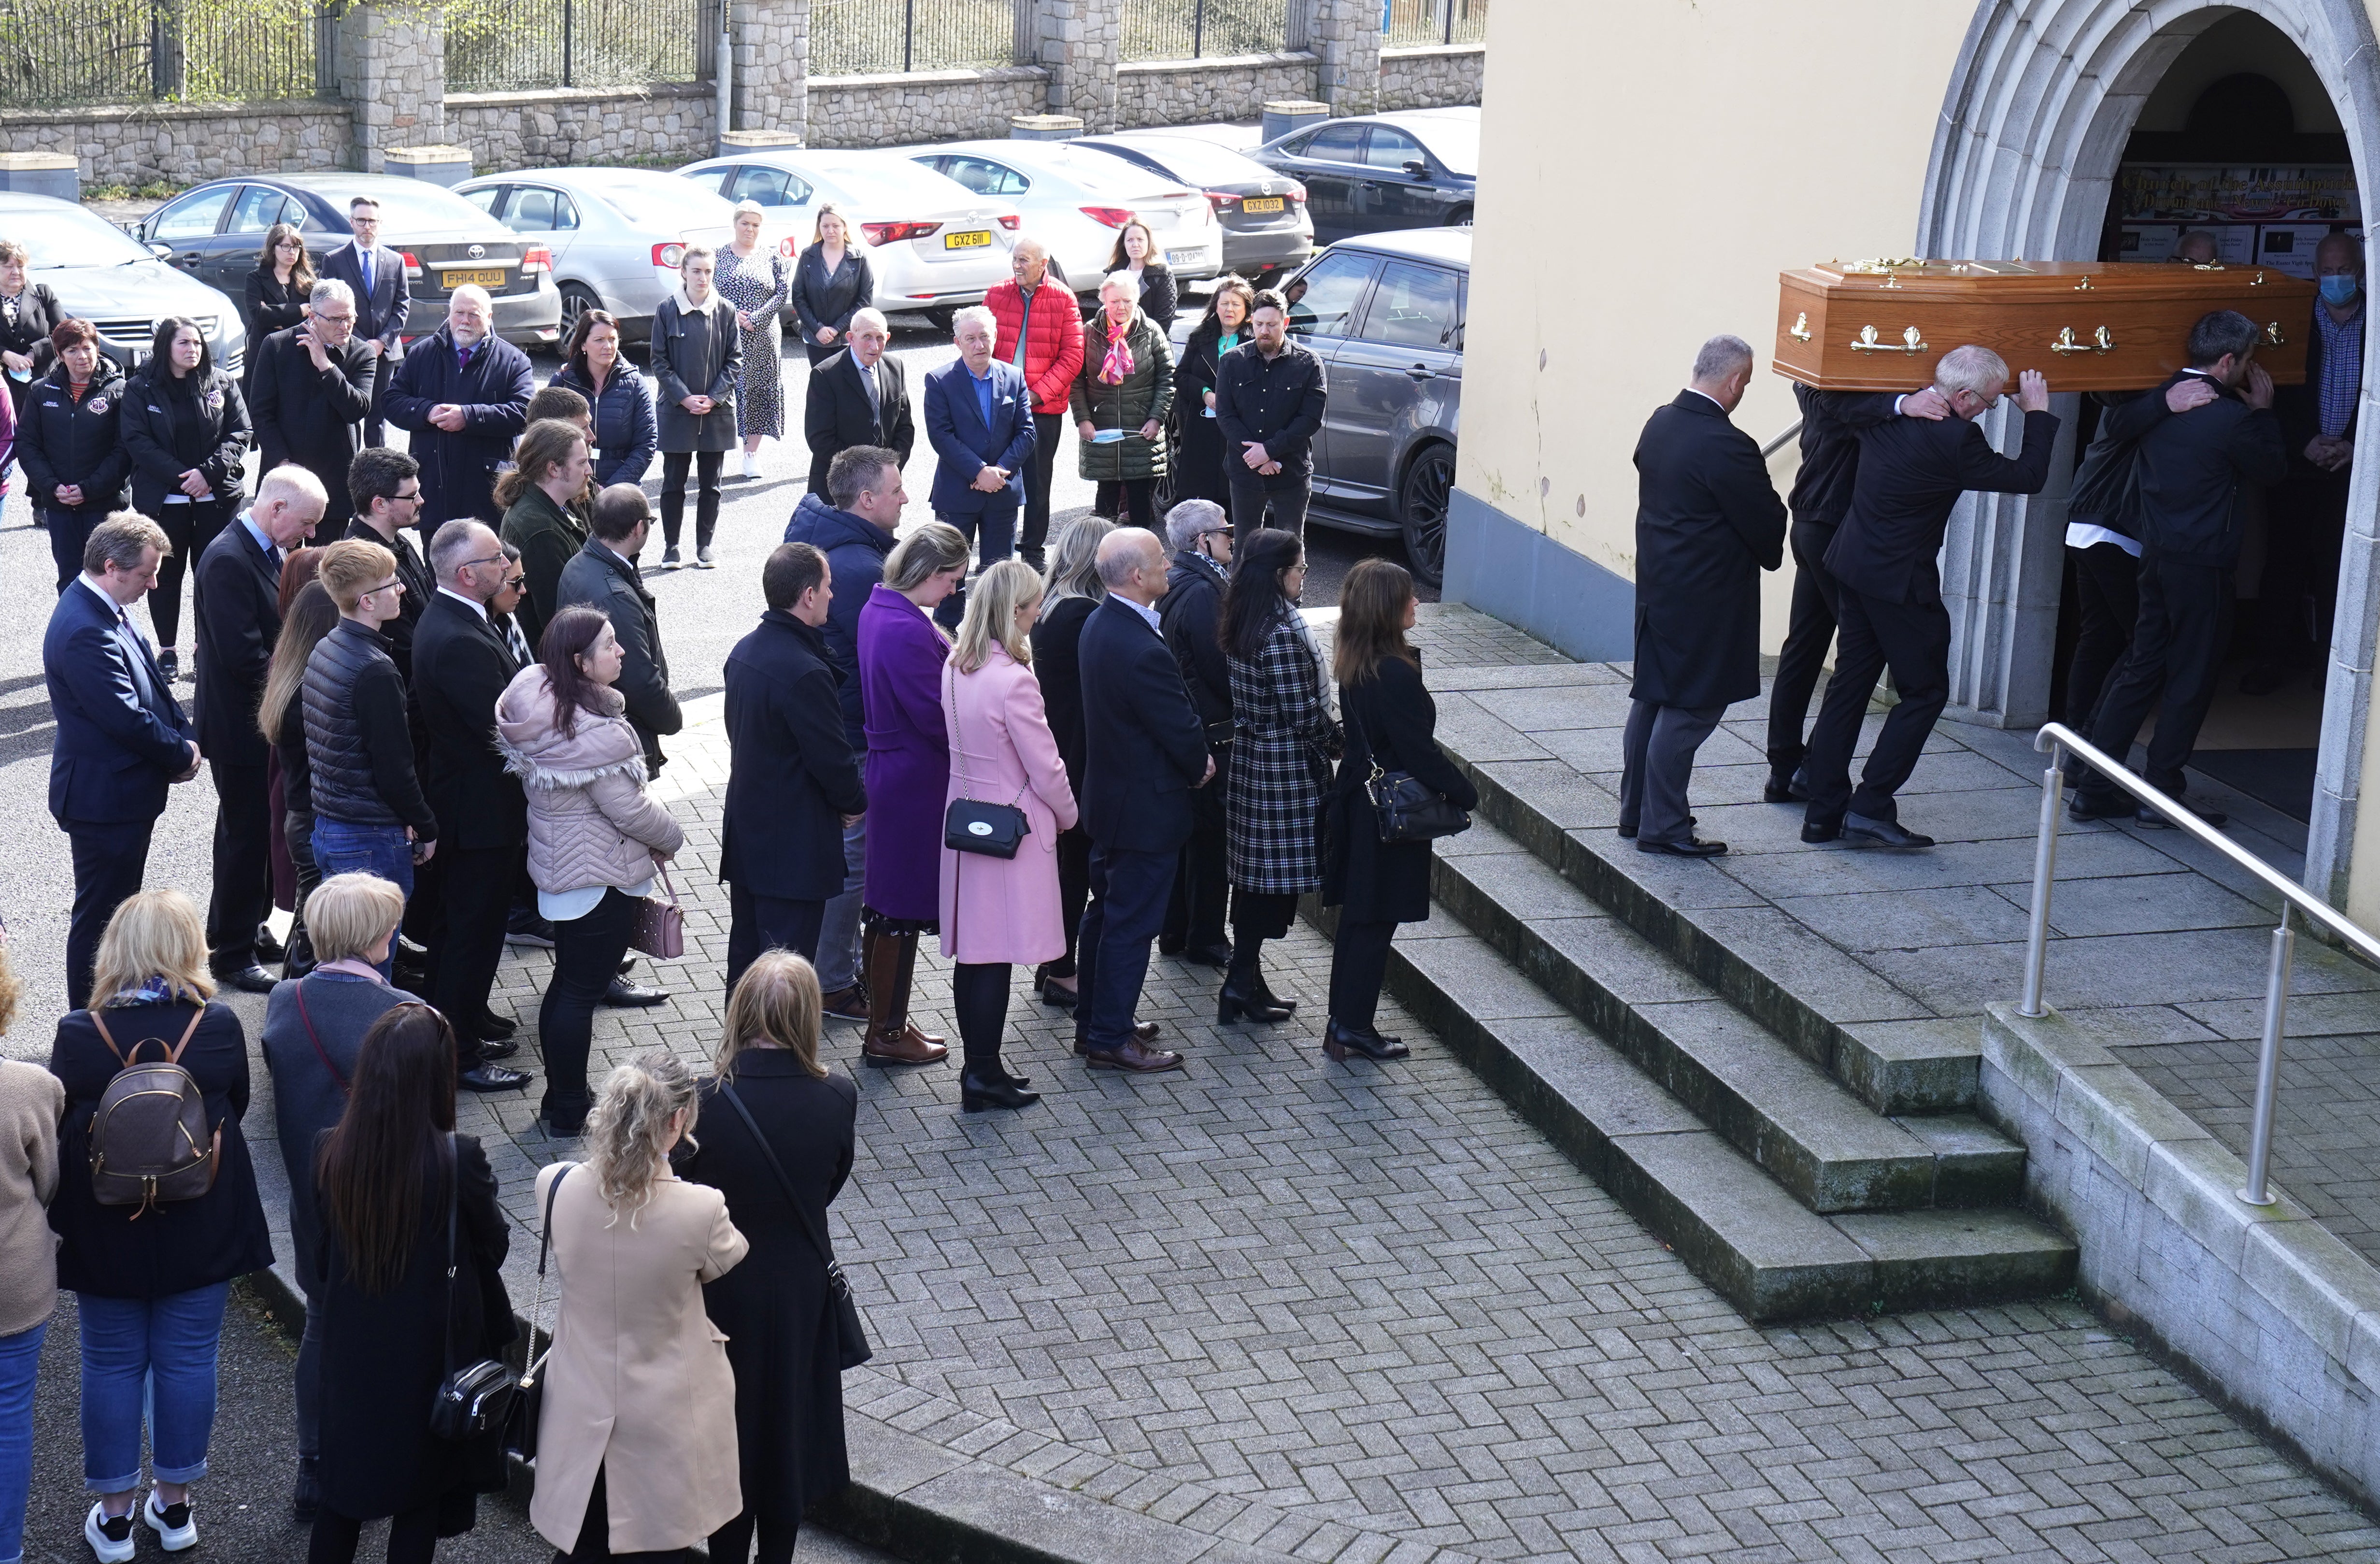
(1880, 325)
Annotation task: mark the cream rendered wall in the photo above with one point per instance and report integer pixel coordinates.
(1647, 169)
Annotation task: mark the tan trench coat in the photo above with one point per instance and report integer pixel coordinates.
(639, 1385)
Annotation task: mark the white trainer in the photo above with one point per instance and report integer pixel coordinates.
(112, 1540)
(173, 1524)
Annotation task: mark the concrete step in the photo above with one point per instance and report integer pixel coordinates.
(1892, 1052)
(1736, 1226)
(1773, 1103)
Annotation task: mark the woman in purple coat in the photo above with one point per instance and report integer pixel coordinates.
(900, 658)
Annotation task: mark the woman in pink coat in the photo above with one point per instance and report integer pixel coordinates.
(998, 913)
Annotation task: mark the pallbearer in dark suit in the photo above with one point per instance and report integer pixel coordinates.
(382, 300)
(235, 602)
(121, 737)
(1911, 475)
(1707, 523)
(858, 396)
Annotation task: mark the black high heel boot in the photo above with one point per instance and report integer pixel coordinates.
(1339, 1041)
(1264, 992)
(987, 1086)
(1245, 997)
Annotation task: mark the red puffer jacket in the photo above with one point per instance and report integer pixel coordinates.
(1054, 348)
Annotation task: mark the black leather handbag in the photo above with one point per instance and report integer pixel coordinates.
(995, 830)
(1406, 807)
(520, 1430)
(476, 1399)
(851, 1336)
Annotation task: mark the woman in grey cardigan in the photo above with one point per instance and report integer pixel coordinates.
(696, 360)
(313, 1028)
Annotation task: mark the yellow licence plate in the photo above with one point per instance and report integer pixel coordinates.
(1262, 203)
(974, 238)
(451, 280)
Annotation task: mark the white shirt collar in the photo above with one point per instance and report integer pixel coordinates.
(1706, 397)
(614, 552)
(114, 609)
(473, 604)
(1149, 614)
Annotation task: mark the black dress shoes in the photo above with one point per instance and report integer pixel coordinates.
(1339, 1041)
(994, 1087)
(1135, 1058)
(1052, 994)
(492, 1078)
(1693, 847)
(267, 947)
(1790, 790)
(2155, 820)
(498, 1048)
(494, 1028)
(1882, 833)
(1216, 955)
(250, 979)
(1245, 999)
(1628, 832)
(624, 994)
(2092, 806)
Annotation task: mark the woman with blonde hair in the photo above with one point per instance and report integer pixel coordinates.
(998, 912)
(901, 656)
(1069, 593)
(778, 1143)
(832, 282)
(151, 1278)
(30, 1101)
(754, 278)
(281, 717)
(637, 1447)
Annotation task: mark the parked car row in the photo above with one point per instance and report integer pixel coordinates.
(107, 278)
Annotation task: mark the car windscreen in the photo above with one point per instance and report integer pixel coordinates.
(424, 209)
(875, 182)
(1200, 163)
(1100, 171)
(636, 196)
(69, 236)
(1451, 142)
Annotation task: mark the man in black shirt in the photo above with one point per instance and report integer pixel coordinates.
(1269, 402)
(1190, 614)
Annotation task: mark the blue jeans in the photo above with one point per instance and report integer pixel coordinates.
(343, 849)
(149, 1361)
(838, 941)
(20, 1358)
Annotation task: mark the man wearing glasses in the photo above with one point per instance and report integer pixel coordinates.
(1200, 535)
(309, 393)
(385, 488)
(1911, 473)
(375, 276)
(461, 664)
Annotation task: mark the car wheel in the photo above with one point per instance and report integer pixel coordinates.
(576, 299)
(1459, 216)
(1421, 511)
(944, 317)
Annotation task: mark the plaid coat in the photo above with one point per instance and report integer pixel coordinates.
(1273, 798)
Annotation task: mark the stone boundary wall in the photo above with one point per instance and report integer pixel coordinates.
(1432, 76)
(922, 105)
(186, 143)
(2275, 1314)
(664, 126)
(1227, 87)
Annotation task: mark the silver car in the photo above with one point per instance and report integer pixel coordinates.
(617, 235)
(117, 283)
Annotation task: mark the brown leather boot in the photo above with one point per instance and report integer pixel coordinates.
(893, 1039)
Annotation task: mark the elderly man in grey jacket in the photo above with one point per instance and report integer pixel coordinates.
(604, 576)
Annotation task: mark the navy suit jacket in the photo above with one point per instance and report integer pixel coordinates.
(382, 312)
(1143, 746)
(121, 736)
(963, 446)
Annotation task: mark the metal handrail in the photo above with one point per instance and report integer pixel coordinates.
(2056, 739)
(1777, 445)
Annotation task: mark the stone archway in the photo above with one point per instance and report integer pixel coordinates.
(2040, 105)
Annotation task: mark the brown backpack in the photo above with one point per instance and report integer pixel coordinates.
(149, 1142)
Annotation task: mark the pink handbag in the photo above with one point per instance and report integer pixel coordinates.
(659, 929)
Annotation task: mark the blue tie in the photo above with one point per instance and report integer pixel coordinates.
(365, 256)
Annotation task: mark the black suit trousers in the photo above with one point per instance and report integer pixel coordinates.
(768, 923)
(2107, 598)
(1808, 633)
(475, 892)
(1913, 640)
(1194, 914)
(109, 859)
(243, 865)
(1046, 428)
(376, 426)
(1128, 892)
(2177, 647)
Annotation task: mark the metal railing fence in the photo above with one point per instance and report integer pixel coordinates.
(2057, 738)
(502, 45)
(874, 37)
(1409, 22)
(1192, 29)
(58, 54)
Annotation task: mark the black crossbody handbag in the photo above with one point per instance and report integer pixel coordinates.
(478, 1399)
(520, 1431)
(1407, 809)
(851, 1336)
(996, 830)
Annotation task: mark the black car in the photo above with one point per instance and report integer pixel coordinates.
(216, 231)
(1266, 230)
(1416, 168)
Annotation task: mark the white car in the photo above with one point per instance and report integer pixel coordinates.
(1075, 199)
(932, 245)
(119, 285)
(616, 235)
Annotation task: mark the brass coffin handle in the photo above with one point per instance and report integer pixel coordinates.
(2273, 333)
(1800, 328)
(2102, 341)
(1866, 343)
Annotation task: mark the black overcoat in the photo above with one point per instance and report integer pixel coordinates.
(1707, 523)
(236, 603)
(383, 1353)
(1369, 880)
(461, 667)
(1057, 661)
(312, 416)
(1912, 473)
(774, 1307)
(791, 776)
(696, 354)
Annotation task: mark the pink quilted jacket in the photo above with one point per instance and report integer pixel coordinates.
(590, 821)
